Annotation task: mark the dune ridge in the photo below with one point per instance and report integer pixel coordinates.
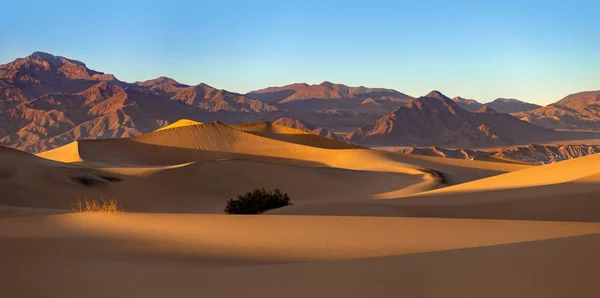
(175, 155)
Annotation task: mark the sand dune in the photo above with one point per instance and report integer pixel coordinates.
(68, 153)
(215, 141)
(414, 226)
(292, 135)
(180, 123)
(566, 191)
(561, 172)
(192, 254)
(199, 161)
(30, 181)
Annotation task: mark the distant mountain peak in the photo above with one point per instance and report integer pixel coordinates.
(500, 99)
(370, 101)
(53, 60)
(162, 80)
(463, 99)
(42, 55)
(511, 105)
(486, 110)
(437, 94)
(327, 84)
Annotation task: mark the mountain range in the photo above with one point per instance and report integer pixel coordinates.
(501, 105)
(533, 154)
(435, 119)
(579, 111)
(47, 101)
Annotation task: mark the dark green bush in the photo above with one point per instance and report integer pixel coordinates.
(257, 201)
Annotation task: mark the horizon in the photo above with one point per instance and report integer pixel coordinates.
(534, 52)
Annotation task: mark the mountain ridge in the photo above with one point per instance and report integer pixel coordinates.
(47, 101)
(435, 119)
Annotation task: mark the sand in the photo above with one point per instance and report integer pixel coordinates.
(180, 123)
(154, 254)
(197, 161)
(388, 224)
(565, 191)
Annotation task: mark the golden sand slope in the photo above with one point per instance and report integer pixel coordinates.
(196, 168)
(185, 255)
(177, 159)
(68, 153)
(567, 190)
(180, 123)
(202, 186)
(292, 135)
(206, 186)
(215, 141)
(30, 181)
(206, 164)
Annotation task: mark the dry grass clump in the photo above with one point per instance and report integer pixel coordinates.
(108, 206)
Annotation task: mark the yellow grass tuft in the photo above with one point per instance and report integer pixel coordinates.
(108, 206)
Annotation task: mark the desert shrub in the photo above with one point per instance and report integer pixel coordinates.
(108, 206)
(257, 201)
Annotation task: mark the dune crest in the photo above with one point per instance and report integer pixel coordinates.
(180, 123)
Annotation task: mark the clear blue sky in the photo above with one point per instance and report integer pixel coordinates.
(538, 51)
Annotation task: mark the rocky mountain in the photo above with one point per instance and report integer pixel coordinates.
(47, 101)
(467, 104)
(435, 119)
(205, 97)
(436, 151)
(333, 105)
(535, 154)
(576, 111)
(500, 105)
(327, 91)
(509, 105)
(42, 73)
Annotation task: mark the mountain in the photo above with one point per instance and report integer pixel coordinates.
(467, 104)
(576, 111)
(326, 91)
(500, 105)
(205, 97)
(436, 151)
(47, 101)
(435, 119)
(509, 105)
(535, 154)
(334, 105)
(42, 73)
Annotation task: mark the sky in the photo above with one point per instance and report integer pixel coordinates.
(536, 51)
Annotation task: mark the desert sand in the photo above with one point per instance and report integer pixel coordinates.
(365, 223)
